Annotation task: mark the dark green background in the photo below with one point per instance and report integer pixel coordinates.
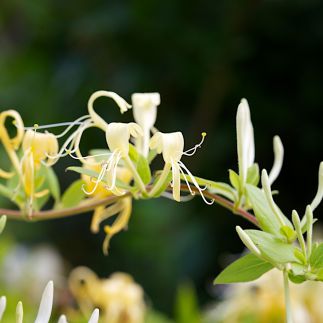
(202, 57)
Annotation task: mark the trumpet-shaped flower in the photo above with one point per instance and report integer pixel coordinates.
(145, 113)
(36, 147)
(171, 145)
(45, 308)
(119, 297)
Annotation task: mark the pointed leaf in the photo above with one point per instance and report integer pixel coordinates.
(266, 218)
(274, 249)
(73, 195)
(245, 269)
(234, 179)
(253, 175)
(316, 259)
(53, 184)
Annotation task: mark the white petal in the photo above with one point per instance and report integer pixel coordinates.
(62, 319)
(145, 108)
(3, 303)
(94, 317)
(19, 313)
(99, 122)
(46, 303)
(319, 195)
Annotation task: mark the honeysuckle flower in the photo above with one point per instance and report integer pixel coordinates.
(45, 308)
(117, 137)
(11, 144)
(37, 147)
(122, 209)
(246, 145)
(145, 113)
(319, 194)
(171, 145)
(119, 297)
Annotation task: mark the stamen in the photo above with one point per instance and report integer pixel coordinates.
(70, 124)
(186, 181)
(192, 151)
(99, 179)
(195, 183)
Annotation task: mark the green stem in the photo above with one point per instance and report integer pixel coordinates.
(135, 174)
(161, 180)
(288, 308)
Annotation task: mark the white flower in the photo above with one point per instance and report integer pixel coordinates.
(45, 308)
(171, 145)
(117, 136)
(145, 113)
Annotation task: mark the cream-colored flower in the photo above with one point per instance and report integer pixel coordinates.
(119, 297)
(145, 113)
(171, 145)
(37, 147)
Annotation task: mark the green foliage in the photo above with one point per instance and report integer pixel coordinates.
(73, 194)
(141, 163)
(247, 268)
(266, 218)
(272, 248)
(186, 306)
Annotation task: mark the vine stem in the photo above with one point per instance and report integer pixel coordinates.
(288, 307)
(92, 204)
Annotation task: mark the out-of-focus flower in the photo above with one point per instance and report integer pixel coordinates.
(29, 269)
(145, 113)
(263, 301)
(45, 308)
(119, 297)
(171, 145)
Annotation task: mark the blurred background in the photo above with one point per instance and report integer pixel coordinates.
(202, 58)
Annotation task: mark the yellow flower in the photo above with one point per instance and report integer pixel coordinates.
(37, 147)
(119, 297)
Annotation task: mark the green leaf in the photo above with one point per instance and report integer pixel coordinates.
(100, 154)
(234, 179)
(220, 188)
(266, 218)
(141, 163)
(245, 269)
(274, 249)
(73, 195)
(6, 192)
(53, 184)
(186, 307)
(83, 171)
(289, 233)
(316, 259)
(253, 175)
(143, 169)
